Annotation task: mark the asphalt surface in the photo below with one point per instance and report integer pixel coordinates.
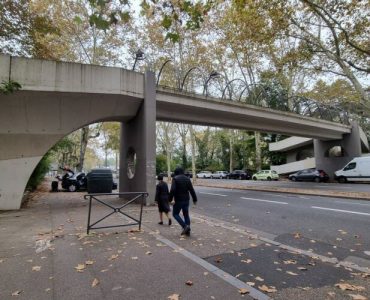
(343, 187)
(328, 226)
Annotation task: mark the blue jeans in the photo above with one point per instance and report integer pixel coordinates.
(177, 207)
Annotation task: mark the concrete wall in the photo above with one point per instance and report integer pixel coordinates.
(295, 166)
(56, 99)
(351, 143)
(139, 135)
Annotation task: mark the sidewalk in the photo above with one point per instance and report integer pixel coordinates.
(289, 190)
(45, 254)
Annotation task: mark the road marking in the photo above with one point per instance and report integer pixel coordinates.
(213, 194)
(254, 293)
(277, 195)
(342, 210)
(262, 200)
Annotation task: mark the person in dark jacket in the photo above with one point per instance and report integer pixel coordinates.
(161, 197)
(180, 188)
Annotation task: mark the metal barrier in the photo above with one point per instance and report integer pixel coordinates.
(115, 209)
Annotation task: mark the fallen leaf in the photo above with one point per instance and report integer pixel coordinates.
(95, 282)
(205, 273)
(240, 274)
(291, 273)
(80, 267)
(349, 287)
(189, 283)
(251, 283)
(265, 288)
(16, 293)
(36, 268)
(134, 258)
(259, 278)
(1, 261)
(297, 235)
(357, 297)
(105, 270)
(243, 291)
(48, 290)
(174, 297)
(148, 253)
(89, 262)
(290, 262)
(218, 260)
(302, 268)
(247, 261)
(114, 256)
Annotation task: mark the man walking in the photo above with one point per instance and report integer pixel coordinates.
(180, 188)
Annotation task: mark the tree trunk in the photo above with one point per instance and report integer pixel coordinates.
(83, 146)
(231, 165)
(257, 137)
(192, 139)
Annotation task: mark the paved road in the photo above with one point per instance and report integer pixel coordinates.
(347, 187)
(329, 226)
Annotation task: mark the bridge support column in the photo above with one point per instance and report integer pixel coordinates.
(137, 155)
(351, 146)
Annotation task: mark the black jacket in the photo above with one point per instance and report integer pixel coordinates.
(180, 188)
(161, 192)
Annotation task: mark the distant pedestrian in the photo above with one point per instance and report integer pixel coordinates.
(180, 188)
(161, 197)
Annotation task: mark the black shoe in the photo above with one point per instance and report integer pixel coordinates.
(186, 230)
(187, 233)
(169, 222)
(160, 223)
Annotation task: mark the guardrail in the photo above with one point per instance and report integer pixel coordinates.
(115, 209)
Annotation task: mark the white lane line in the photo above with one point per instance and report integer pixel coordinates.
(262, 200)
(213, 194)
(341, 210)
(352, 203)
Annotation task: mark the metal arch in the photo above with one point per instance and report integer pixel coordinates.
(160, 71)
(186, 75)
(247, 86)
(227, 85)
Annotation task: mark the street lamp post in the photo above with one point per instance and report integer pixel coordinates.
(160, 71)
(139, 55)
(212, 75)
(186, 75)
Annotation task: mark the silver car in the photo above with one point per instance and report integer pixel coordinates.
(220, 175)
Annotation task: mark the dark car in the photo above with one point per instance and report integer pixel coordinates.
(309, 175)
(73, 182)
(239, 174)
(186, 173)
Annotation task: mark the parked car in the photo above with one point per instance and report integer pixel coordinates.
(204, 174)
(357, 169)
(309, 175)
(74, 182)
(186, 173)
(239, 174)
(220, 175)
(265, 175)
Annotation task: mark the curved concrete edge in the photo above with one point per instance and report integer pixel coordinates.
(318, 193)
(14, 176)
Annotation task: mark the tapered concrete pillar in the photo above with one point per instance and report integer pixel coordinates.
(351, 145)
(137, 155)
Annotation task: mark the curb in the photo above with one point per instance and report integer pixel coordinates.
(297, 192)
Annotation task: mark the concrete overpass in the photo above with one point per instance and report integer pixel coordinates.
(58, 98)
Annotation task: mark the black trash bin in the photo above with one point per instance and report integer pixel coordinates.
(99, 181)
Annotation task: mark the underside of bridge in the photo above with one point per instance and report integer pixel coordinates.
(59, 98)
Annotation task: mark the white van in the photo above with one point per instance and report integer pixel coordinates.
(357, 169)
